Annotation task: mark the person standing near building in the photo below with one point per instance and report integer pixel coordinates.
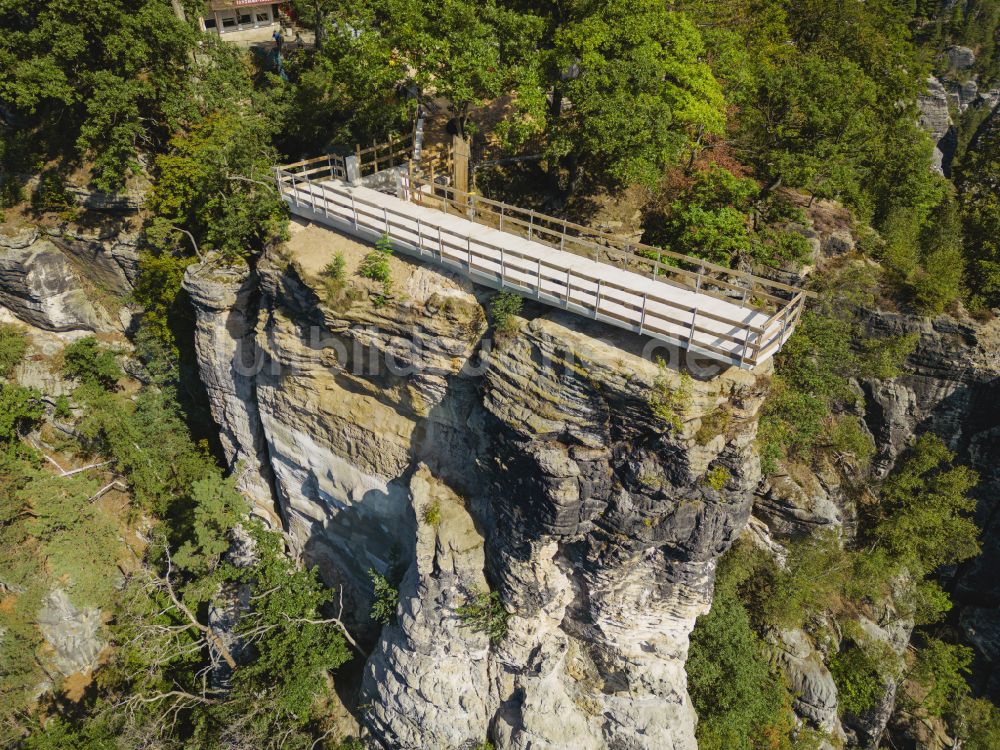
(278, 40)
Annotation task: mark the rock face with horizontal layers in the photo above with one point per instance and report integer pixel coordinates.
(607, 531)
(225, 301)
(109, 251)
(68, 278)
(558, 467)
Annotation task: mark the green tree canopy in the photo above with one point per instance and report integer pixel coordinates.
(94, 75)
(740, 698)
(639, 94)
(924, 520)
(979, 186)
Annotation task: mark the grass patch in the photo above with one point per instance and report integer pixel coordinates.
(713, 425)
(717, 478)
(432, 514)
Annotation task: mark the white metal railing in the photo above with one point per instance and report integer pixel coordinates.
(704, 323)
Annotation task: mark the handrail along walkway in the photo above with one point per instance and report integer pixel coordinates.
(583, 272)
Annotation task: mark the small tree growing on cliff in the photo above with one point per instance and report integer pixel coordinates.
(924, 517)
(334, 270)
(386, 599)
(334, 276)
(484, 612)
(375, 266)
(669, 402)
(89, 362)
(13, 345)
(504, 309)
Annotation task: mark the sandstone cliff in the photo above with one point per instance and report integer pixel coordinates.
(566, 471)
(948, 386)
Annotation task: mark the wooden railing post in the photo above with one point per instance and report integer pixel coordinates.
(746, 346)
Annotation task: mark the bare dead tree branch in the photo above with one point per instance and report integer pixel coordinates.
(331, 621)
(241, 178)
(86, 468)
(212, 636)
(190, 236)
(107, 488)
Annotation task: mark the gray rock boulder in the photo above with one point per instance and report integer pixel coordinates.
(109, 252)
(810, 681)
(796, 507)
(17, 237)
(838, 242)
(936, 120)
(73, 635)
(960, 58)
(39, 285)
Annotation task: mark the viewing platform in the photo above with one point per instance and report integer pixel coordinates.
(707, 309)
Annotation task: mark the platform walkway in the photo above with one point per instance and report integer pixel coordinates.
(696, 317)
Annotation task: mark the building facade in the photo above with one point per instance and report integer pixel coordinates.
(241, 19)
